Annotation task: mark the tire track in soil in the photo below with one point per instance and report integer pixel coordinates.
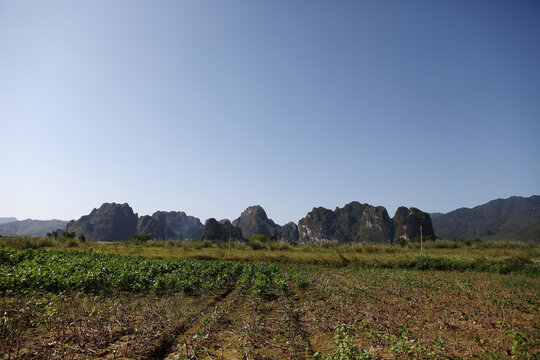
(247, 328)
(229, 303)
(160, 346)
(299, 324)
(320, 312)
(261, 328)
(167, 342)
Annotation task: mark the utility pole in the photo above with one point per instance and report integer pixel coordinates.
(421, 245)
(230, 236)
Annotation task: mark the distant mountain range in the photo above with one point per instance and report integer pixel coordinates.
(4, 220)
(515, 218)
(354, 223)
(31, 227)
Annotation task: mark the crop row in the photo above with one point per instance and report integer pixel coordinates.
(62, 270)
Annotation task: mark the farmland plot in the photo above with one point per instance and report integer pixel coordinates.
(79, 305)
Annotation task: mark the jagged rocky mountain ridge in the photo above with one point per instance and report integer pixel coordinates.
(362, 223)
(109, 222)
(289, 233)
(217, 231)
(354, 223)
(408, 223)
(515, 218)
(118, 222)
(254, 220)
(170, 225)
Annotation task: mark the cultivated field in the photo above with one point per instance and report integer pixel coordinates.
(173, 300)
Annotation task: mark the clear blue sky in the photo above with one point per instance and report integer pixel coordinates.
(212, 106)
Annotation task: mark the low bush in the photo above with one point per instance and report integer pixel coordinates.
(138, 239)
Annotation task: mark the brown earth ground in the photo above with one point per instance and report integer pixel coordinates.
(382, 314)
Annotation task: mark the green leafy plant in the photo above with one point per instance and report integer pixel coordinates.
(345, 348)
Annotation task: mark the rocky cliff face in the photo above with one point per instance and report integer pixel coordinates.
(215, 231)
(288, 233)
(354, 222)
(407, 223)
(147, 225)
(111, 222)
(363, 223)
(318, 226)
(254, 220)
(170, 225)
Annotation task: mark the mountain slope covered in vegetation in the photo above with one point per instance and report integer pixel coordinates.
(515, 218)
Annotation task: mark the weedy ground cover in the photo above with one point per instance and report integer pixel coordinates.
(496, 257)
(423, 314)
(92, 304)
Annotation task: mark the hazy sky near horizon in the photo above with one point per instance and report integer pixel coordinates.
(212, 106)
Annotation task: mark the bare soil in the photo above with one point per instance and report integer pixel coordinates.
(390, 314)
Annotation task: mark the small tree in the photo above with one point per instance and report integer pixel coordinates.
(401, 242)
(258, 241)
(138, 238)
(259, 237)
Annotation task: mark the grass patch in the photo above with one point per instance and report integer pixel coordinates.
(493, 257)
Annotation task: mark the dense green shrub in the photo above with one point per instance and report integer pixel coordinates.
(401, 242)
(68, 234)
(138, 238)
(259, 237)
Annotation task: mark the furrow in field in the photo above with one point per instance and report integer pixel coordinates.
(184, 341)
